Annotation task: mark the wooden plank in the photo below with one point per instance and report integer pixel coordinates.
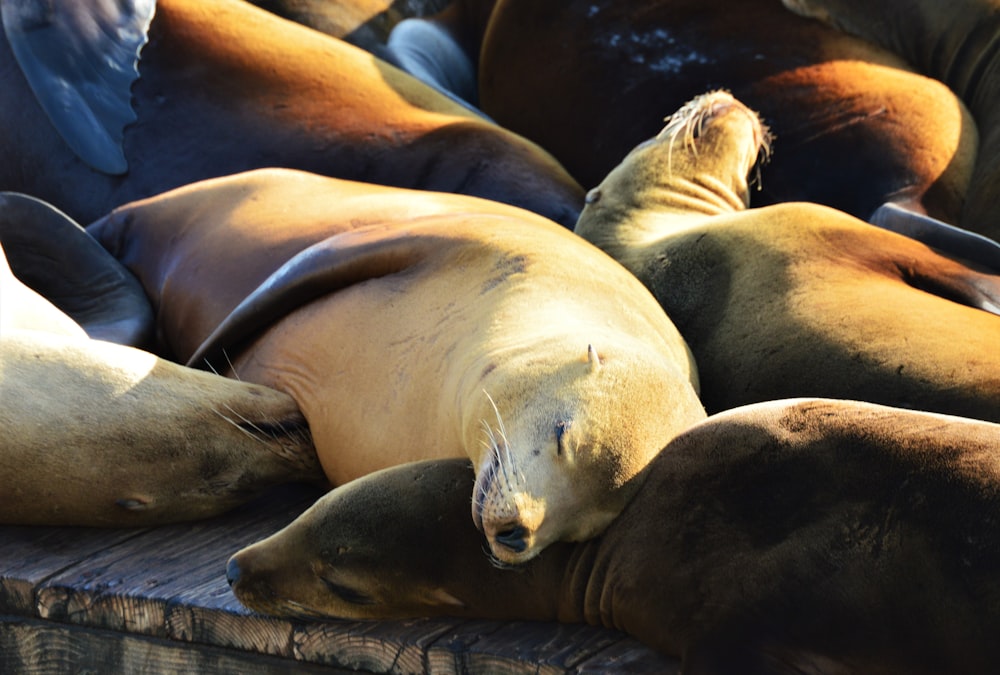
(132, 586)
(30, 555)
(166, 587)
(35, 647)
(391, 647)
(550, 648)
(232, 629)
(628, 656)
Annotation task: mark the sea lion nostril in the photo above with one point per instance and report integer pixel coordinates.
(232, 571)
(513, 538)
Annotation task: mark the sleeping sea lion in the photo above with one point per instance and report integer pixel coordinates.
(799, 536)
(793, 299)
(223, 87)
(473, 328)
(102, 434)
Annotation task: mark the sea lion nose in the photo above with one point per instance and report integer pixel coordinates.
(232, 571)
(513, 538)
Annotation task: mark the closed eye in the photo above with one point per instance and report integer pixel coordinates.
(348, 595)
(561, 429)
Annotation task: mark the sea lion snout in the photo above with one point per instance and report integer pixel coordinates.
(513, 537)
(232, 572)
(511, 522)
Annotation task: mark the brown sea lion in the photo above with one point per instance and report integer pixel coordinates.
(436, 41)
(793, 299)
(101, 434)
(363, 23)
(799, 536)
(954, 42)
(590, 79)
(481, 329)
(224, 86)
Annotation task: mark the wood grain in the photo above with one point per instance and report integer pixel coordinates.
(156, 600)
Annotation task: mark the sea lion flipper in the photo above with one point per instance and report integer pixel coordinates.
(58, 259)
(325, 267)
(939, 234)
(80, 59)
(424, 49)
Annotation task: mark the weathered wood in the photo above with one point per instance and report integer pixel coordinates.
(506, 647)
(156, 600)
(34, 647)
(240, 630)
(396, 647)
(30, 555)
(131, 586)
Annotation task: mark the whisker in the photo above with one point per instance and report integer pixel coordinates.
(503, 435)
(236, 424)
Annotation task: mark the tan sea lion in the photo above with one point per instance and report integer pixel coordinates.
(590, 79)
(102, 434)
(223, 87)
(954, 42)
(363, 23)
(799, 536)
(793, 299)
(474, 328)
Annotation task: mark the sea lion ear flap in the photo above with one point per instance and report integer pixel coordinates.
(58, 259)
(80, 58)
(593, 358)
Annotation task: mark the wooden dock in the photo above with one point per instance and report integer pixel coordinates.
(156, 600)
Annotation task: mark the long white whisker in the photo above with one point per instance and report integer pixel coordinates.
(239, 426)
(506, 445)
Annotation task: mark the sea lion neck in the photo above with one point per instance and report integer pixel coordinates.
(695, 169)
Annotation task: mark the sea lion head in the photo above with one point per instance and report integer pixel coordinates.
(696, 166)
(350, 554)
(561, 454)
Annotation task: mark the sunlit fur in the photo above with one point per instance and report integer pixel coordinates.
(688, 123)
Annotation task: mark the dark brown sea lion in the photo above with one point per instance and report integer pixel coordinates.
(590, 79)
(954, 42)
(225, 86)
(482, 330)
(804, 536)
(97, 433)
(793, 299)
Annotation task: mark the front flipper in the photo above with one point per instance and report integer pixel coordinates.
(54, 256)
(80, 58)
(325, 267)
(937, 234)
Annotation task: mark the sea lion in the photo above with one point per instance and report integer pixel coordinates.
(792, 299)
(224, 86)
(363, 23)
(101, 434)
(590, 79)
(442, 49)
(481, 329)
(807, 535)
(58, 260)
(954, 43)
